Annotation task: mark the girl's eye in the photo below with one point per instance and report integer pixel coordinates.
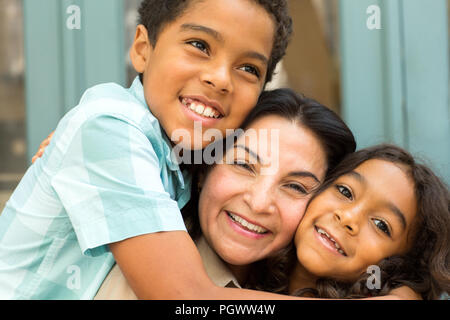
(202, 46)
(345, 192)
(252, 70)
(380, 224)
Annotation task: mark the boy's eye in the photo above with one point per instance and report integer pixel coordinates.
(251, 69)
(380, 224)
(202, 46)
(345, 192)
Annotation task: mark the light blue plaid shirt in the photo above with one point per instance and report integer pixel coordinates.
(107, 176)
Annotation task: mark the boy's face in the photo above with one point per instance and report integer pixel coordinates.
(207, 66)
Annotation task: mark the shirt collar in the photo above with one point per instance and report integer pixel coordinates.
(137, 89)
(216, 269)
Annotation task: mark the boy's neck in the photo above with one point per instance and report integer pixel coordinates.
(301, 279)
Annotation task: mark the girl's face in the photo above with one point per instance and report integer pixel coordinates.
(247, 212)
(364, 217)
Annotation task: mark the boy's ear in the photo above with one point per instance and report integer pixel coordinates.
(140, 50)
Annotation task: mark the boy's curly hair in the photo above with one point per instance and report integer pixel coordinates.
(425, 268)
(155, 14)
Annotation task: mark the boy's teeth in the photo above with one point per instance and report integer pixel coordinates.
(247, 224)
(201, 109)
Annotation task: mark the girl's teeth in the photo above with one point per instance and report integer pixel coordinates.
(338, 247)
(199, 109)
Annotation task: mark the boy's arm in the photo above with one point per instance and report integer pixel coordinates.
(168, 266)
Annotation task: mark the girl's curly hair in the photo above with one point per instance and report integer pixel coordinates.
(155, 14)
(425, 268)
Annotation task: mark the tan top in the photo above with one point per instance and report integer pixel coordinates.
(115, 286)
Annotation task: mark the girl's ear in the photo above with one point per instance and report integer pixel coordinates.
(141, 49)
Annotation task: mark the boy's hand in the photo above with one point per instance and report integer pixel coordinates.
(42, 147)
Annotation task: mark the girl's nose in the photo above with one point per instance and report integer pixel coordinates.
(349, 219)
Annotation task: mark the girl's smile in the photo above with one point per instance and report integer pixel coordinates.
(360, 219)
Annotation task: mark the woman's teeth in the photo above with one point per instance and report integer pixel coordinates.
(338, 247)
(247, 224)
(200, 109)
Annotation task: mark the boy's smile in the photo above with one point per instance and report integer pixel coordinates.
(209, 65)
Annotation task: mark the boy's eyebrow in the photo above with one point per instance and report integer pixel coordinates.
(392, 207)
(216, 35)
(196, 27)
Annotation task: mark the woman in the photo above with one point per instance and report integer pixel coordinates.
(380, 210)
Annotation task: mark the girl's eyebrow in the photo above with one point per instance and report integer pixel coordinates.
(398, 213)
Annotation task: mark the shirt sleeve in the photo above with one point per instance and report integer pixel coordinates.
(109, 184)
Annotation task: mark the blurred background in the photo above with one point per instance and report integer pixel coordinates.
(386, 73)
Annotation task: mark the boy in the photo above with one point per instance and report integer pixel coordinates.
(107, 189)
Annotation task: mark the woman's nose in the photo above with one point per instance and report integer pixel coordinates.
(260, 198)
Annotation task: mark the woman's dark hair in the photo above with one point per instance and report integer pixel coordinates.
(334, 135)
(425, 268)
(156, 14)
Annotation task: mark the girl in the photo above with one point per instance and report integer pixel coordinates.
(379, 209)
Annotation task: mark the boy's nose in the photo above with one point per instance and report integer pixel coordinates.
(218, 78)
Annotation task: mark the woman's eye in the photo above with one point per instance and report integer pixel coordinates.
(202, 46)
(298, 188)
(252, 70)
(382, 226)
(243, 164)
(345, 192)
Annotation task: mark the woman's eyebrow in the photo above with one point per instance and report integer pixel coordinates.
(254, 155)
(196, 27)
(304, 174)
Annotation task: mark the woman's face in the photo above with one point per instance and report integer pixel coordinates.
(248, 212)
(364, 217)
